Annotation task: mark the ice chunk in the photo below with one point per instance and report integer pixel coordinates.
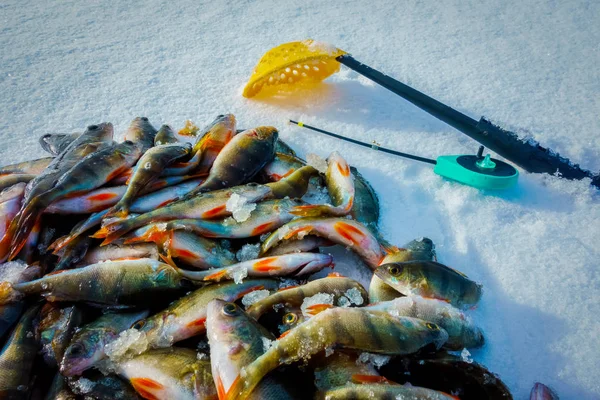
(317, 162)
(316, 194)
(254, 296)
(378, 360)
(238, 273)
(129, 342)
(466, 356)
(354, 296)
(11, 271)
(328, 351)
(343, 301)
(239, 207)
(307, 307)
(267, 344)
(82, 386)
(248, 252)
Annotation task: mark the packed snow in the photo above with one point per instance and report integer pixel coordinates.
(529, 66)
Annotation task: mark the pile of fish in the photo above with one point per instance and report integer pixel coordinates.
(174, 267)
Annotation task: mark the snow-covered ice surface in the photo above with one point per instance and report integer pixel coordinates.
(531, 66)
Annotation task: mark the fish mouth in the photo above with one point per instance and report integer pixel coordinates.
(73, 367)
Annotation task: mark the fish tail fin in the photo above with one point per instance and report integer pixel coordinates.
(119, 210)
(168, 259)
(29, 218)
(60, 243)
(6, 240)
(8, 294)
(112, 231)
(153, 234)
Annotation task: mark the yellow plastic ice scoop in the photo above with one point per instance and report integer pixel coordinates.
(300, 64)
(294, 63)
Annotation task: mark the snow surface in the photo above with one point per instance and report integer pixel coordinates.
(529, 65)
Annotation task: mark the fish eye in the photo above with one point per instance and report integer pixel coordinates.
(230, 309)
(290, 318)
(433, 327)
(394, 270)
(77, 349)
(92, 127)
(220, 115)
(139, 325)
(145, 119)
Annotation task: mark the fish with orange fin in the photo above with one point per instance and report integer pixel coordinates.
(342, 231)
(235, 340)
(209, 144)
(462, 332)
(186, 247)
(340, 327)
(432, 280)
(168, 374)
(289, 265)
(148, 168)
(266, 217)
(241, 158)
(33, 167)
(418, 249)
(92, 172)
(205, 206)
(294, 296)
(142, 133)
(108, 284)
(340, 185)
(186, 317)
(94, 138)
(159, 193)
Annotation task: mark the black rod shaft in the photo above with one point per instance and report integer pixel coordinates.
(371, 146)
(532, 157)
(439, 110)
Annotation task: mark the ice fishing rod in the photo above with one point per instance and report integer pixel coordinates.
(479, 171)
(295, 63)
(529, 155)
